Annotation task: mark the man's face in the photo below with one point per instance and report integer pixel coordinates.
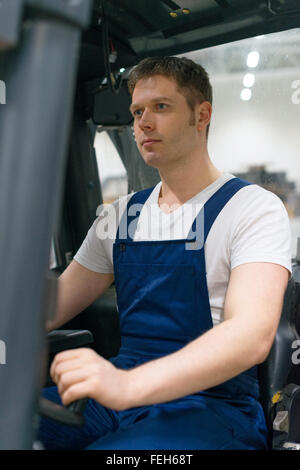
(163, 122)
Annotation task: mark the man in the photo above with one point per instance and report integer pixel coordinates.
(200, 276)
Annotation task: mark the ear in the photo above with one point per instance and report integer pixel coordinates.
(203, 115)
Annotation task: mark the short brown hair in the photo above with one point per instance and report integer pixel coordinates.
(191, 78)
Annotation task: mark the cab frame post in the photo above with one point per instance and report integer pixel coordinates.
(38, 66)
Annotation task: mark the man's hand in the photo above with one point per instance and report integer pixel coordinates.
(82, 373)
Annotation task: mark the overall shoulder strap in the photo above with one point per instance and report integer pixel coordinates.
(132, 212)
(213, 207)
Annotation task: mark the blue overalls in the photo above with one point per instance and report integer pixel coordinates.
(163, 304)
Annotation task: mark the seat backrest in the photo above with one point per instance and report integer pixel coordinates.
(274, 372)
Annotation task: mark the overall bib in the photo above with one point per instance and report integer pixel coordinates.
(163, 304)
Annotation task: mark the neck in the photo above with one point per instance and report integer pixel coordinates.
(183, 181)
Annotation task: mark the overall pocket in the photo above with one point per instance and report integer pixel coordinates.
(157, 300)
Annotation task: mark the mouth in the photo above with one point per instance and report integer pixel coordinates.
(149, 142)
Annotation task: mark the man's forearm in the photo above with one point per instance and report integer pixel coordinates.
(78, 287)
(63, 312)
(217, 356)
(58, 321)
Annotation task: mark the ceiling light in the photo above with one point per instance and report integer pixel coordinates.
(246, 94)
(249, 80)
(253, 59)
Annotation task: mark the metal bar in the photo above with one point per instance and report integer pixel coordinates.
(10, 18)
(77, 12)
(171, 4)
(132, 12)
(34, 128)
(283, 8)
(206, 19)
(222, 3)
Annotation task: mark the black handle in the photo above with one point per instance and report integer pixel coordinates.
(71, 415)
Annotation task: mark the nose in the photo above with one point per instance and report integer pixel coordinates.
(146, 121)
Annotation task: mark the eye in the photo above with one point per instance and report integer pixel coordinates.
(137, 113)
(161, 106)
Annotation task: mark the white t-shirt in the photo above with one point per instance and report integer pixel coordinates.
(252, 227)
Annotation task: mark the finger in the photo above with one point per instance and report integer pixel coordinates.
(60, 358)
(76, 392)
(58, 370)
(69, 355)
(68, 379)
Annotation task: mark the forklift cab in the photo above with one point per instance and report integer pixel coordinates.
(63, 71)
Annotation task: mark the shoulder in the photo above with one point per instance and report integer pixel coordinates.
(254, 191)
(254, 209)
(259, 228)
(250, 205)
(253, 201)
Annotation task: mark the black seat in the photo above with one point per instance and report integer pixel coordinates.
(279, 378)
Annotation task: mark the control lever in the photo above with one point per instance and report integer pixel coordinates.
(71, 415)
